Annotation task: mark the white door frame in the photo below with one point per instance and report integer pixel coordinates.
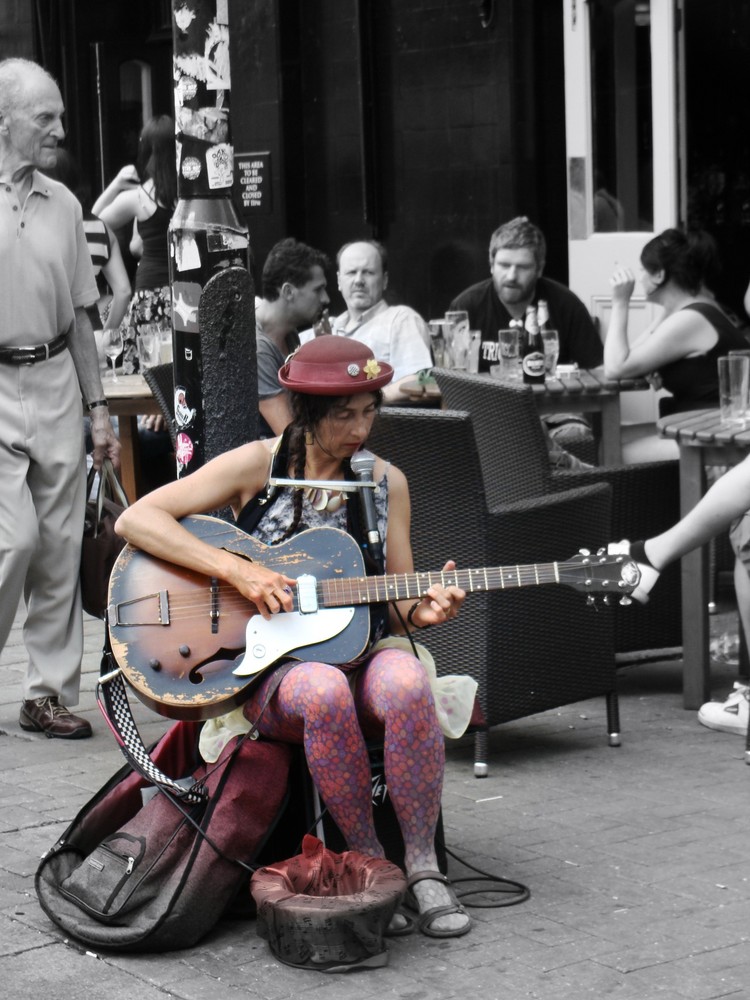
(592, 256)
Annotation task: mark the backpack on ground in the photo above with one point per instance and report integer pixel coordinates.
(139, 873)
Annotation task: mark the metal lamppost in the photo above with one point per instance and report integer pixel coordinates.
(213, 314)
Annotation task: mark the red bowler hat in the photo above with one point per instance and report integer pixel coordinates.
(334, 366)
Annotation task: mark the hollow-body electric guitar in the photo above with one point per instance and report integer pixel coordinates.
(190, 645)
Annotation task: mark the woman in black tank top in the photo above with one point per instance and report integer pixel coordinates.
(148, 206)
(678, 351)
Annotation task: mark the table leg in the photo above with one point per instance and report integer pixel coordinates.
(130, 465)
(611, 449)
(695, 631)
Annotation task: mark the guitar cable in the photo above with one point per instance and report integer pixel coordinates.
(509, 891)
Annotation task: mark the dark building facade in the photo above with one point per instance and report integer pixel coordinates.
(424, 123)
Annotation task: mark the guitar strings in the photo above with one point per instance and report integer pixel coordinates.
(359, 590)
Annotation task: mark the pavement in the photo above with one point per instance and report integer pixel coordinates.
(636, 859)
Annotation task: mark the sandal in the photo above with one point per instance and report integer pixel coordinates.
(400, 931)
(425, 920)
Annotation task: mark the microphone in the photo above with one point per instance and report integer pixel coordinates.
(363, 463)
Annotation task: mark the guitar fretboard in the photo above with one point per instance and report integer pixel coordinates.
(403, 586)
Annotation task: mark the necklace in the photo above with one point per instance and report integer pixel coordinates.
(321, 499)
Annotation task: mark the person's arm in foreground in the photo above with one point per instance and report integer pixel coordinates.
(151, 524)
(83, 349)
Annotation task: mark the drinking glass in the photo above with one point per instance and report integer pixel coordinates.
(113, 346)
(472, 357)
(440, 353)
(165, 346)
(457, 329)
(510, 353)
(458, 317)
(551, 342)
(460, 347)
(734, 378)
(148, 343)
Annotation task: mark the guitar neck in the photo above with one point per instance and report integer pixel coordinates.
(408, 586)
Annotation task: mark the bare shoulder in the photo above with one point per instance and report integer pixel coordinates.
(397, 482)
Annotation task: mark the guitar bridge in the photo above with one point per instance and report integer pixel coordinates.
(151, 609)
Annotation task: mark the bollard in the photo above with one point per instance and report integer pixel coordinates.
(213, 311)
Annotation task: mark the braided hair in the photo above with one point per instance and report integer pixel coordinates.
(307, 413)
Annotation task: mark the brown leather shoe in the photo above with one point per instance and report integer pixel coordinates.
(48, 716)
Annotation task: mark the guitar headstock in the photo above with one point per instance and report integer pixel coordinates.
(614, 575)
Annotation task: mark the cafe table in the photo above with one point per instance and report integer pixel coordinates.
(128, 397)
(580, 391)
(703, 442)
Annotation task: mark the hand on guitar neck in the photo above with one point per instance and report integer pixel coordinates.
(189, 644)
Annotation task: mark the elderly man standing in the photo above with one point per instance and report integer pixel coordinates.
(395, 334)
(518, 253)
(48, 361)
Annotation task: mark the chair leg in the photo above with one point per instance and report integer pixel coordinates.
(712, 574)
(747, 742)
(481, 748)
(613, 718)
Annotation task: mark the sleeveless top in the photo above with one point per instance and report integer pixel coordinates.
(98, 241)
(694, 382)
(153, 267)
(268, 515)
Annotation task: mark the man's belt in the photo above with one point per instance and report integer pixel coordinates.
(30, 355)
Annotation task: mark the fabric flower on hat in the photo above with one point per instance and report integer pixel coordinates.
(372, 369)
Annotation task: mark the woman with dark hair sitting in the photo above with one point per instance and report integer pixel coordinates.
(335, 391)
(679, 349)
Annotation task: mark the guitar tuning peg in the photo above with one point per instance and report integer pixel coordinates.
(584, 552)
(607, 599)
(624, 600)
(590, 600)
(602, 553)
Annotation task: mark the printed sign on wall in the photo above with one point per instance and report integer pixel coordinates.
(252, 178)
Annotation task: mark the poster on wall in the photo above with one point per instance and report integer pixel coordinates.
(252, 183)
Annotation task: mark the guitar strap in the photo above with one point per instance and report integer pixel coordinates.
(112, 699)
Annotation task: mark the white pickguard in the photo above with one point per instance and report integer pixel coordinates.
(266, 640)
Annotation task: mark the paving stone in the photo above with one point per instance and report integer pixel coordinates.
(635, 858)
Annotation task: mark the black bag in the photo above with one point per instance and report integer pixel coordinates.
(129, 876)
(101, 546)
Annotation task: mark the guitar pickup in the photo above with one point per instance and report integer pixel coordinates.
(151, 609)
(307, 594)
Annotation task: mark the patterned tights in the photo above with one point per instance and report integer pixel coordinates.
(314, 706)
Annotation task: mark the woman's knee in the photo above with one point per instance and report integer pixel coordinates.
(318, 686)
(401, 677)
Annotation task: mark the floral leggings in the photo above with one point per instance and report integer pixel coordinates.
(315, 706)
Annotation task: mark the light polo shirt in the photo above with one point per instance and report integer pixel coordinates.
(45, 265)
(396, 334)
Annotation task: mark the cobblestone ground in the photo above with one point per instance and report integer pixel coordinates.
(636, 859)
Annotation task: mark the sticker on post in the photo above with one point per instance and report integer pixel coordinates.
(219, 164)
(191, 168)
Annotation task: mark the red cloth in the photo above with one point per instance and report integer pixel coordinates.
(321, 909)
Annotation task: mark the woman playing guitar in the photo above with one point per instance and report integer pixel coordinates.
(335, 391)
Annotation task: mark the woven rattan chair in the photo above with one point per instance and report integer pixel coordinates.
(645, 497)
(529, 649)
(160, 380)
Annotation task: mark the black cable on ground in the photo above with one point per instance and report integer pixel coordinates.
(512, 892)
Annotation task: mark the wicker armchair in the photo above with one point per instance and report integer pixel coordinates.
(529, 649)
(645, 497)
(160, 380)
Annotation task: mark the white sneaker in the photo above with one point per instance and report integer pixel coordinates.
(730, 716)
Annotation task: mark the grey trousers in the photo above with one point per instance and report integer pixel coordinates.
(42, 500)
